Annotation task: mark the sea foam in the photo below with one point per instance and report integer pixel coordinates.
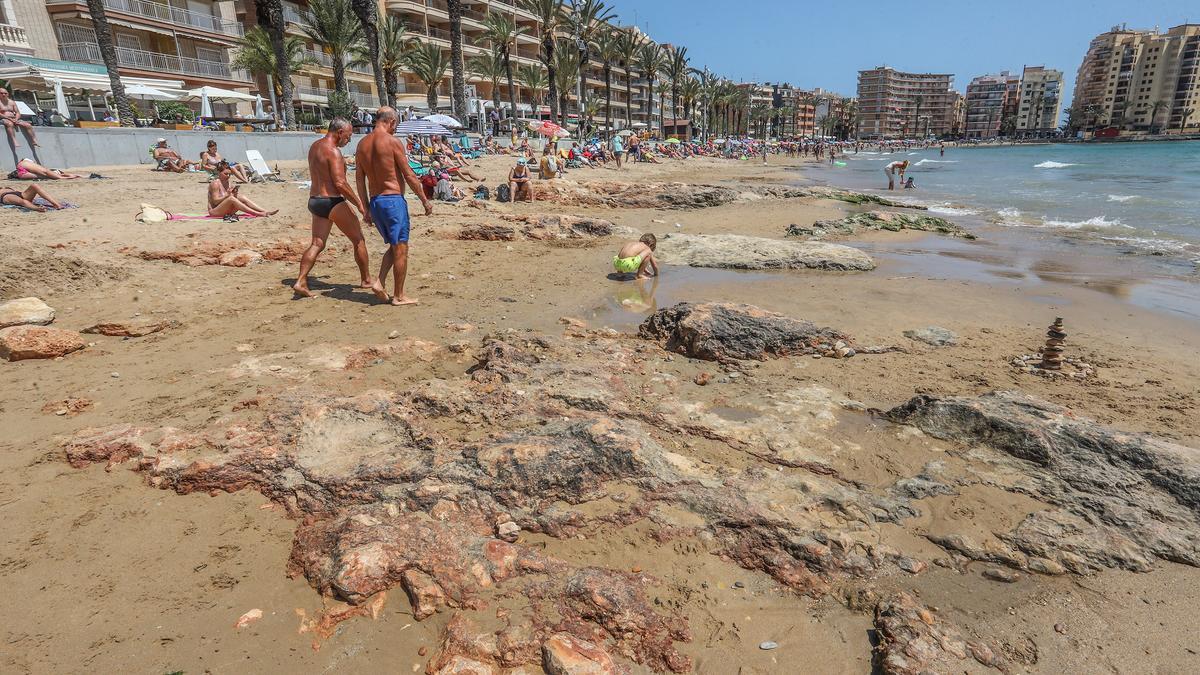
(1121, 198)
(1053, 165)
(936, 161)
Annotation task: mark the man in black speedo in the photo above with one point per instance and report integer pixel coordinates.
(333, 201)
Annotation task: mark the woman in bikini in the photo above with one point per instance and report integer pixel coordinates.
(210, 158)
(24, 198)
(225, 201)
(27, 169)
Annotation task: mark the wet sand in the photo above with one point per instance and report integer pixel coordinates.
(104, 573)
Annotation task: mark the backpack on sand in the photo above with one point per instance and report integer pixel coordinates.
(503, 193)
(483, 193)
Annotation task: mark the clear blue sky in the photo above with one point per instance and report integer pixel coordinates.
(825, 43)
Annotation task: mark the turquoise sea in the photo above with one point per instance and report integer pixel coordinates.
(1137, 197)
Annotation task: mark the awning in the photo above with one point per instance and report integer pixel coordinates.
(134, 26)
(28, 72)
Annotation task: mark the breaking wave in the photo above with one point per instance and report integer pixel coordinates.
(1053, 165)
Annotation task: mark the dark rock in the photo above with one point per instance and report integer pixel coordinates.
(485, 232)
(878, 220)
(136, 328)
(1121, 499)
(719, 332)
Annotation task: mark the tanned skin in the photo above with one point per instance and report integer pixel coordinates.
(381, 162)
(327, 169)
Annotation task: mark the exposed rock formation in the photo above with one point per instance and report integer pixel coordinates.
(914, 641)
(1119, 499)
(212, 252)
(541, 227)
(878, 220)
(733, 251)
(636, 195)
(37, 342)
(25, 311)
(719, 332)
(139, 327)
(934, 336)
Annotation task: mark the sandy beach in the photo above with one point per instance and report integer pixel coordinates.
(146, 566)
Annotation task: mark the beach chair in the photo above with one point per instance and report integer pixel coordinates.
(418, 168)
(258, 165)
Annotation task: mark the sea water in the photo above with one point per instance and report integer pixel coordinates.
(1142, 197)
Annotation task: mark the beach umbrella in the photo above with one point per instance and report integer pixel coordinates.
(673, 141)
(60, 100)
(205, 104)
(259, 113)
(624, 132)
(149, 93)
(444, 120)
(551, 129)
(421, 128)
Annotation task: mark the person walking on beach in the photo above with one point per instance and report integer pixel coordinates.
(618, 149)
(332, 201)
(383, 165)
(891, 170)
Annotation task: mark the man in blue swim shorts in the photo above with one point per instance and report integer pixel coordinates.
(382, 164)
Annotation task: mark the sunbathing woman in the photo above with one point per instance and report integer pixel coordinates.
(24, 198)
(210, 158)
(225, 201)
(27, 169)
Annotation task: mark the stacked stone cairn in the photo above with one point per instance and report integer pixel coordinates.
(1052, 352)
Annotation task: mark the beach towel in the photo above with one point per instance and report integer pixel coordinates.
(42, 202)
(152, 214)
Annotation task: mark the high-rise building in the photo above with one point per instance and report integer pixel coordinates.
(893, 104)
(987, 103)
(1140, 81)
(1040, 101)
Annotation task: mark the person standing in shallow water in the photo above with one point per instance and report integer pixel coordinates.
(382, 171)
(332, 201)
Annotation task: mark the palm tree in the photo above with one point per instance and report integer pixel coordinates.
(256, 54)
(429, 63)
(585, 20)
(391, 55)
(1183, 117)
(367, 12)
(677, 68)
(270, 17)
(690, 92)
(608, 50)
(549, 14)
(628, 47)
(565, 74)
(1154, 108)
(650, 60)
(332, 24)
(108, 52)
(535, 78)
(458, 80)
(501, 31)
(489, 66)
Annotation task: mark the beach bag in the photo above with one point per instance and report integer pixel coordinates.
(483, 193)
(152, 214)
(443, 191)
(503, 193)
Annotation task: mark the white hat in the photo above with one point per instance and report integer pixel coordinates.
(161, 140)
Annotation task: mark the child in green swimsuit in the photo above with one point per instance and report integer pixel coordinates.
(637, 257)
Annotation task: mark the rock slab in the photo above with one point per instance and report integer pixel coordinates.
(878, 220)
(25, 311)
(934, 336)
(720, 332)
(18, 343)
(733, 251)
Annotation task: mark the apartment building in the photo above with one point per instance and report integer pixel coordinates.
(895, 104)
(183, 40)
(1040, 101)
(1140, 81)
(989, 99)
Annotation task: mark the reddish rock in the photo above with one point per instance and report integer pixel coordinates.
(135, 328)
(240, 258)
(68, 406)
(914, 641)
(112, 445)
(37, 342)
(565, 654)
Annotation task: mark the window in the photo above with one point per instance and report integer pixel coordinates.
(127, 41)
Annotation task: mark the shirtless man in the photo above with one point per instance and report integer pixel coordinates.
(11, 119)
(382, 162)
(330, 200)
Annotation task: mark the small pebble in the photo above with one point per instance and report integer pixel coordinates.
(393, 335)
(767, 645)
(60, 412)
(1060, 628)
(276, 369)
(423, 651)
(738, 584)
(114, 375)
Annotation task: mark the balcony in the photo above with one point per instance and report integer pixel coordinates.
(13, 36)
(362, 99)
(87, 52)
(325, 60)
(183, 18)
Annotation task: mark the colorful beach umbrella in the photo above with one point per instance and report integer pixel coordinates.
(421, 128)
